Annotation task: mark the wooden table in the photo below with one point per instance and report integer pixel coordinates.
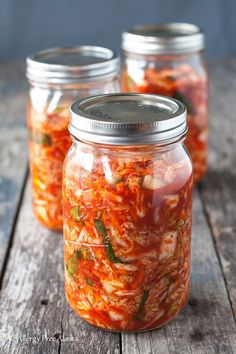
(34, 315)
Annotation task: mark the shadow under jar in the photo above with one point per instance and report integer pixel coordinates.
(169, 60)
(57, 77)
(127, 199)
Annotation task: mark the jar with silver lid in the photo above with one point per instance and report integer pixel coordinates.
(168, 59)
(127, 200)
(57, 77)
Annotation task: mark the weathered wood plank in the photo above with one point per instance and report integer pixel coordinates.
(35, 317)
(34, 313)
(13, 149)
(218, 190)
(206, 325)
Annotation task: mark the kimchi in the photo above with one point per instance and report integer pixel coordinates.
(185, 84)
(49, 142)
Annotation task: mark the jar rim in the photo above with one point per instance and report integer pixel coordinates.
(128, 119)
(69, 65)
(166, 38)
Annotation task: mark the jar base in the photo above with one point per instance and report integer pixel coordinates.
(129, 331)
(55, 228)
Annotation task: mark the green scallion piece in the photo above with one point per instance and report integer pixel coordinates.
(139, 313)
(76, 214)
(40, 138)
(108, 247)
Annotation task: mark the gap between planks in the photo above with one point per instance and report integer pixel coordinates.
(13, 151)
(218, 189)
(211, 228)
(5, 258)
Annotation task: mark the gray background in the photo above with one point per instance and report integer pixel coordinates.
(30, 25)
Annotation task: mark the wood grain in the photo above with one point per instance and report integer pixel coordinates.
(35, 317)
(218, 190)
(13, 149)
(206, 325)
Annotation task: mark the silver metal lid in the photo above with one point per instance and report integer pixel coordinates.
(170, 38)
(128, 119)
(70, 65)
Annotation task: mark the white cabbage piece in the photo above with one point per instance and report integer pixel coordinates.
(168, 245)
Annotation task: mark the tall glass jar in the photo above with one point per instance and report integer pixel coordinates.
(57, 77)
(169, 60)
(127, 197)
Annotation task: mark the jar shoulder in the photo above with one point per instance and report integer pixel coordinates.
(151, 170)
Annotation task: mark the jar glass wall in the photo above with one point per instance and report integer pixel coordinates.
(127, 233)
(50, 97)
(180, 74)
(127, 226)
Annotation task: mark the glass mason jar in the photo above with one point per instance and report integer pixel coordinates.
(127, 199)
(57, 77)
(169, 60)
